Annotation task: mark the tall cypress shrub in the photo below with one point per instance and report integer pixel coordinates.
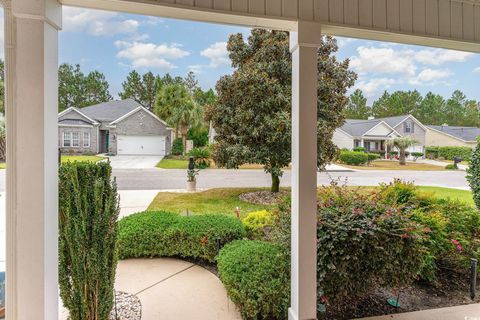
(88, 212)
(473, 174)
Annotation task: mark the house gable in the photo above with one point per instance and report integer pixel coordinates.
(73, 116)
(140, 122)
(382, 129)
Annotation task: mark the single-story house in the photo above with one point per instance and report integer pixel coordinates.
(372, 134)
(114, 127)
(450, 136)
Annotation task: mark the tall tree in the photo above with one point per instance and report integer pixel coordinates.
(77, 90)
(252, 117)
(71, 86)
(191, 82)
(431, 109)
(397, 103)
(141, 88)
(357, 106)
(132, 87)
(175, 104)
(96, 88)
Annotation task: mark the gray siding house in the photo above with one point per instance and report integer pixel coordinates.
(114, 127)
(372, 134)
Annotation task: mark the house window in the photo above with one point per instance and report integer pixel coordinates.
(86, 139)
(408, 127)
(75, 139)
(67, 139)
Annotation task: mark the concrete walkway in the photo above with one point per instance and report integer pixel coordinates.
(172, 289)
(441, 163)
(466, 312)
(134, 162)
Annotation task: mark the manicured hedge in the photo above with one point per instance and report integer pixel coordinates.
(164, 234)
(256, 275)
(353, 158)
(449, 153)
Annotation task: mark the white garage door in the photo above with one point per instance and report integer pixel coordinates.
(154, 145)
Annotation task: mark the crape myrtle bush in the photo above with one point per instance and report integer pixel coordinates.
(88, 213)
(164, 234)
(449, 153)
(363, 243)
(353, 158)
(256, 275)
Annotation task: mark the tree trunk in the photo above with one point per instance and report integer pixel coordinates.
(275, 183)
(401, 160)
(184, 139)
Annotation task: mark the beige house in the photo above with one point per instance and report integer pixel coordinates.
(450, 136)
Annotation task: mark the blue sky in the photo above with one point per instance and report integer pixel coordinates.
(116, 43)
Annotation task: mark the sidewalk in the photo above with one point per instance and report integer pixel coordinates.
(466, 312)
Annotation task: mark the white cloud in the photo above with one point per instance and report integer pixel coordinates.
(372, 86)
(195, 68)
(436, 57)
(217, 53)
(430, 76)
(476, 70)
(150, 55)
(382, 60)
(96, 22)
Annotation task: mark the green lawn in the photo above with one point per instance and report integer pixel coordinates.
(226, 200)
(172, 164)
(81, 158)
(210, 201)
(454, 194)
(3, 165)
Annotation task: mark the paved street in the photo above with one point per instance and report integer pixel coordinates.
(158, 179)
(162, 179)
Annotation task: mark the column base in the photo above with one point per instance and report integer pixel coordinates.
(292, 315)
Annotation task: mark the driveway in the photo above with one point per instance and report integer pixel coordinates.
(134, 162)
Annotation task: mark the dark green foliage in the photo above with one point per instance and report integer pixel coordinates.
(372, 156)
(358, 149)
(88, 212)
(473, 175)
(451, 166)
(201, 156)
(449, 153)
(357, 106)
(164, 234)
(177, 147)
(417, 155)
(353, 158)
(363, 243)
(252, 117)
(199, 136)
(256, 275)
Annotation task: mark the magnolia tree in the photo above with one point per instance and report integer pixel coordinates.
(252, 117)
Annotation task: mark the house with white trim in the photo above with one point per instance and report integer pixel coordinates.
(122, 127)
(372, 134)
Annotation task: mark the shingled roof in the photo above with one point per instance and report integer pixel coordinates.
(111, 110)
(468, 134)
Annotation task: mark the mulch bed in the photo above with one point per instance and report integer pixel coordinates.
(264, 197)
(450, 291)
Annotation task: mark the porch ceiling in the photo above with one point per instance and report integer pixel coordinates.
(452, 24)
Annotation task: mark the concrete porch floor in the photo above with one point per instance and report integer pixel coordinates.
(172, 289)
(465, 312)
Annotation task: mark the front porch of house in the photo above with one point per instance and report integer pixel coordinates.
(31, 54)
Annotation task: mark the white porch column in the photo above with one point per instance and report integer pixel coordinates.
(31, 62)
(303, 45)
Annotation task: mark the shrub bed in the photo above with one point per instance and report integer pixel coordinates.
(164, 234)
(353, 158)
(256, 276)
(257, 224)
(449, 153)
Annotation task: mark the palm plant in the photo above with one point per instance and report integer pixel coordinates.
(176, 105)
(402, 144)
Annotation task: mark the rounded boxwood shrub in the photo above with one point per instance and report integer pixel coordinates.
(165, 234)
(372, 156)
(256, 276)
(353, 158)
